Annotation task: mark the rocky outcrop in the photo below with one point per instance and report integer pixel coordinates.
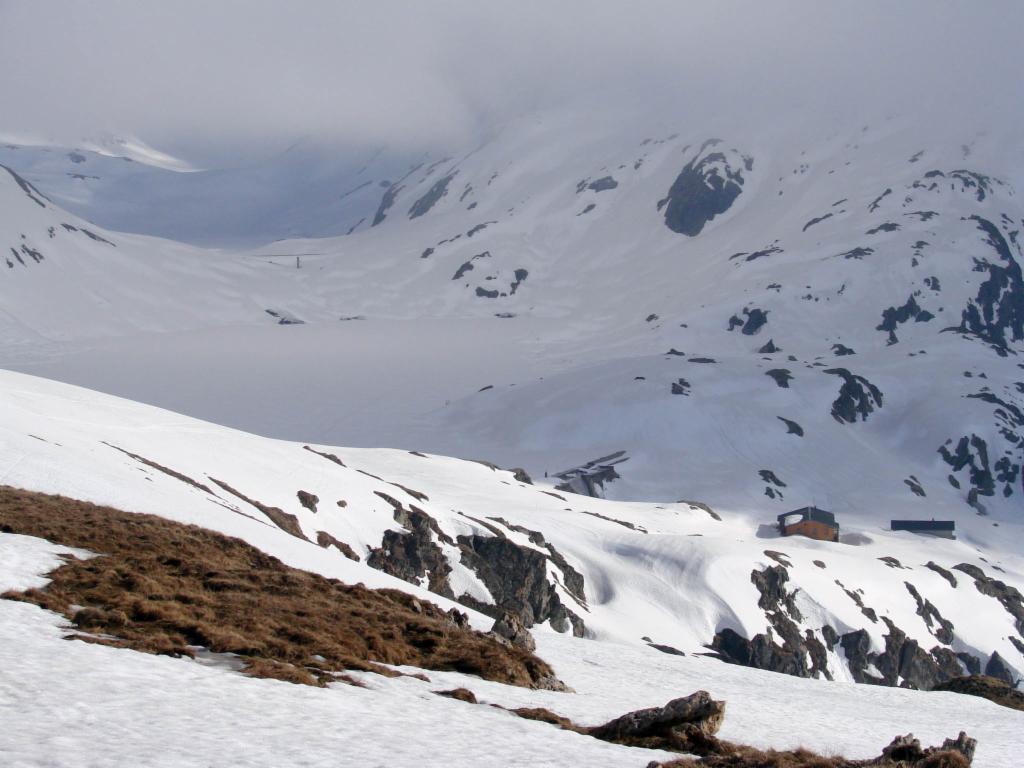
(792, 428)
(603, 184)
(325, 540)
(1009, 597)
(706, 187)
(906, 750)
(893, 317)
(858, 397)
(754, 320)
(510, 630)
(386, 202)
(517, 579)
(413, 555)
(308, 500)
(286, 522)
(589, 479)
(435, 193)
(937, 625)
(995, 690)
(996, 314)
(903, 663)
(783, 648)
(679, 725)
(788, 649)
(971, 453)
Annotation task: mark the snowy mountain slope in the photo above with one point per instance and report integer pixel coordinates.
(61, 682)
(874, 273)
(754, 325)
(880, 606)
(123, 184)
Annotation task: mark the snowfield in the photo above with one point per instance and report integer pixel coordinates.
(675, 573)
(72, 703)
(664, 340)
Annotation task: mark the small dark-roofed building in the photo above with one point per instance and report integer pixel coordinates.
(944, 528)
(811, 522)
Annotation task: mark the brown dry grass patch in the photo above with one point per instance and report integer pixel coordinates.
(749, 757)
(160, 587)
(993, 689)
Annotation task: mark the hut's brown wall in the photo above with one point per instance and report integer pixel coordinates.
(813, 530)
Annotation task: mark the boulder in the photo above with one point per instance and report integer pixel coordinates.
(687, 720)
(509, 629)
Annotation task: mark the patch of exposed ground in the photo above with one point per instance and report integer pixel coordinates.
(162, 587)
(991, 688)
(689, 725)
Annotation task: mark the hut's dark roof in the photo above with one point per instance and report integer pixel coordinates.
(923, 525)
(812, 513)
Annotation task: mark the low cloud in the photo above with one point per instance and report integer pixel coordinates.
(216, 79)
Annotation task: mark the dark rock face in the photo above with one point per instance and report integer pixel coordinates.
(886, 227)
(942, 572)
(996, 315)
(521, 475)
(435, 193)
(769, 348)
(978, 185)
(772, 479)
(903, 662)
(841, 350)
(816, 220)
(915, 486)
(858, 397)
(681, 387)
(1010, 597)
(706, 187)
(755, 320)
(938, 626)
(602, 184)
(878, 200)
(896, 316)
(520, 276)
(668, 649)
(589, 479)
(33, 194)
(971, 453)
(856, 253)
(995, 690)
(386, 202)
(792, 428)
(763, 651)
(516, 577)
(754, 256)
(784, 649)
(781, 376)
(467, 266)
(414, 555)
(1009, 419)
(997, 668)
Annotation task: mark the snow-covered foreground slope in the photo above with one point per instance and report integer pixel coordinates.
(878, 606)
(68, 703)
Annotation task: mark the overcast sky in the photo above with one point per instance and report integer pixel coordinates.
(216, 76)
